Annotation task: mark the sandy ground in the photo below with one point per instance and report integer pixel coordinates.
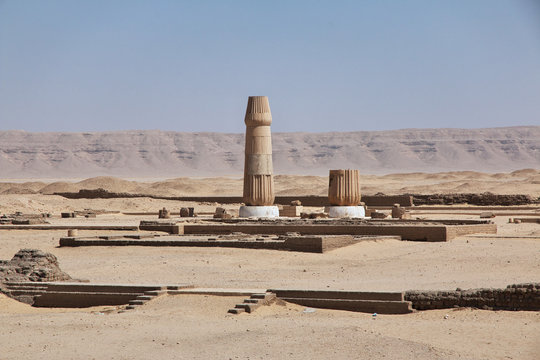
(38, 203)
(198, 327)
(388, 265)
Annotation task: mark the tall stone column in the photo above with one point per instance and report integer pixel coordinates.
(258, 179)
(344, 193)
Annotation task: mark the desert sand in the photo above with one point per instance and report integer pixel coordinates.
(198, 326)
(195, 327)
(524, 181)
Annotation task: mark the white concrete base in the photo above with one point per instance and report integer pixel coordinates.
(347, 212)
(258, 211)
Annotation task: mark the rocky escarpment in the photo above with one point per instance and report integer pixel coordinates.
(161, 153)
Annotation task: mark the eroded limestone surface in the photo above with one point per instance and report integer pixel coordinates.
(31, 265)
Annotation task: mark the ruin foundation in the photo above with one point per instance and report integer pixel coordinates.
(346, 212)
(258, 211)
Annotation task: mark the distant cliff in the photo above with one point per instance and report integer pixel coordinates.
(164, 153)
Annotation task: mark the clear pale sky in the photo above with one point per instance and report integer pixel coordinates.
(325, 65)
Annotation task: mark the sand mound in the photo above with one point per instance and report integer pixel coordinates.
(18, 190)
(9, 305)
(300, 185)
(517, 182)
(32, 187)
(525, 172)
(59, 186)
(104, 182)
(193, 186)
(110, 184)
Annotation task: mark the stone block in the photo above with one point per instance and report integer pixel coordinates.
(221, 213)
(291, 211)
(164, 214)
(236, 311)
(378, 215)
(487, 215)
(184, 212)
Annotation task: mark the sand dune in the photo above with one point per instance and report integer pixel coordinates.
(524, 181)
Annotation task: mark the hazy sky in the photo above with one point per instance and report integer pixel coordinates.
(325, 65)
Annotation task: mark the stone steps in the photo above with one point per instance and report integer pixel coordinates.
(26, 287)
(89, 293)
(137, 302)
(255, 301)
(73, 295)
(155, 292)
(29, 292)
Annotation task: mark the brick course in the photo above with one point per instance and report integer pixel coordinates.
(513, 297)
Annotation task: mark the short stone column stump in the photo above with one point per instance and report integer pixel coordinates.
(346, 212)
(258, 211)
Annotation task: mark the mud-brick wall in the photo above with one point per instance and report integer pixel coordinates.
(513, 297)
(485, 199)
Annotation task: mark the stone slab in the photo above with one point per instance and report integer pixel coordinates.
(69, 227)
(529, 220)
(416, 232)
(92, 287)
(367, 306)
(338, 294)
(308, 243)
(216, 291)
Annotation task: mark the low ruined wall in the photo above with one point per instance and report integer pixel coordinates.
(96, 194)
(82, 300)
(513, 297)
(412, 231)
(310, 200)
(387, 200)
(485, 199)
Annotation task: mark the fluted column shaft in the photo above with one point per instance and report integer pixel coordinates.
(258, 169)
(344, 187)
